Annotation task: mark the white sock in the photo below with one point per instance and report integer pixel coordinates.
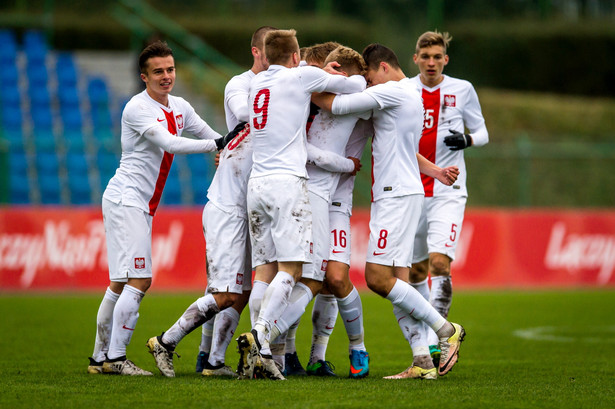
(423, 288)
(277, 352)
(324, 315)
(256, 299)
(290, 338)
(104, 325)
(441, 295)
(274, 303)
(414, 331)
(404, 296)
(206, 336)
(196, 314)
(224, 328)
(300, 297)
(125, 317)
(351, 311)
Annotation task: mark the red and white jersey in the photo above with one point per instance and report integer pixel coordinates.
(279, 106)
(330, 133)
(144, 166)
(341, 200)
(452, 104)
(398, 125)
(230, 183)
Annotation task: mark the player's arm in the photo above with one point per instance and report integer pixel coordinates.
(331, 161)
(447, 175)
(174, 144)
(238, 104)
(474, 121)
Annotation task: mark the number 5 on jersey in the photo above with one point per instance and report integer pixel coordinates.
(261, 105)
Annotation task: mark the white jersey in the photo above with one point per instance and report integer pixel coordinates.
(341, 200)
(144, 165)
(279, 106)
(230, 183)
(236, 95)
(331, 133)
(398, 124)
(450, 105)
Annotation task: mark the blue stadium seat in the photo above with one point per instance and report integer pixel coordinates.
(12, 118)
(76, 162)
(79, 187)
(39, 97)
(10, 94)
(51, 191)
(35, 46)
(47, 162)
(71, 118)
(201, 174)
(19, 188)
(107, 162)
(8, 51)
(98, 91)
(10, 75)
(68, 96)
(172, 194)
(66, 70)
(37, 75)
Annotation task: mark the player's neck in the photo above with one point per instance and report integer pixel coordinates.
(162, 99)
(431, 82)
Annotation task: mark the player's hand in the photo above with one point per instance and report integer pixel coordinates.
(357, 165)
(217, 160)
(448, 175)
(331, 68)
(457, 141)
(222, 142)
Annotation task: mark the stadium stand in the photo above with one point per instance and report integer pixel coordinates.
(60, 122)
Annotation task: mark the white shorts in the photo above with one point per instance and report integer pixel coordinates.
(128, 232)
(339, 224)
(320, 237)
(392, 225)
(439, 227)
(280, 219)
(228, 250)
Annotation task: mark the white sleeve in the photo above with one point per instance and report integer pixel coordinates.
(328, 160)
(206, 132)
(238, 104)
(178, 144)
(353, 103)
(474, 121)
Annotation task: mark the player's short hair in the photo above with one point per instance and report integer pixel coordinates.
(376, 53)
(431, 38)
(348, 59)
(258, 38)
(317, 54)
(156, 49)
(280, 45)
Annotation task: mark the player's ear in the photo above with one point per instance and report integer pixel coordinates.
(143, 77)
(415, 58)
(445, 59)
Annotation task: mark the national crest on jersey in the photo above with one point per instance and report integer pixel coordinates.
(449, 101)
(179, 121)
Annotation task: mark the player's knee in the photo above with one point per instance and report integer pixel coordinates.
(225, 300)
(417, 275)
(440, 266)
(376, 284)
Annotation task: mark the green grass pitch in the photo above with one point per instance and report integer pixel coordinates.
(547, 349)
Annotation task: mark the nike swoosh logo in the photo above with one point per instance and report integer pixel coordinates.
(448, 245)
(338, 251)
(352, 320)
(129, 329)
(328, 327)
(354, 371)
(160, 120)
(379, 254)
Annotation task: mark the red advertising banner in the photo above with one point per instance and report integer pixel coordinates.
(64, 249)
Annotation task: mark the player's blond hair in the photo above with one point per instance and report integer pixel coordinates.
(431, 38)
(280, 45)
(349, 60)
(317, 54)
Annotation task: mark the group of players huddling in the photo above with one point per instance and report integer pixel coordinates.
(281, 200)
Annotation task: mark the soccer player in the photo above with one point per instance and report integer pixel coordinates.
(331, 133)
(226, 225)
(451, 105)
(397, 191)
(152, 125)
(278, 206)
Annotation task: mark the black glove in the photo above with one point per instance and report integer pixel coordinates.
(222, 142)
(457, 141)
